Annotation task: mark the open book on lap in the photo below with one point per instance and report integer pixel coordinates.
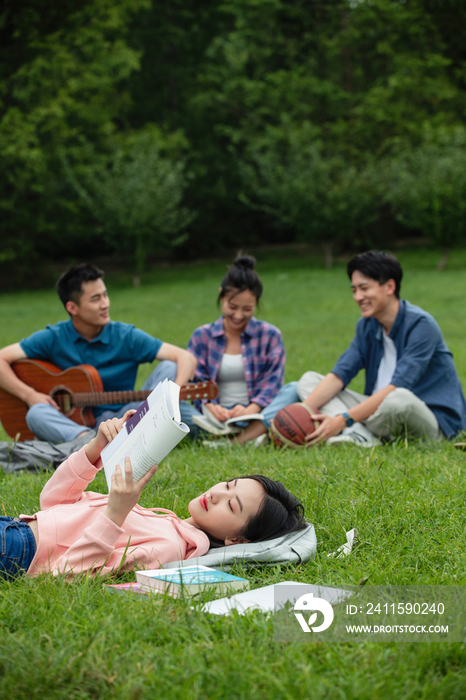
(149, 435)
(210, 424)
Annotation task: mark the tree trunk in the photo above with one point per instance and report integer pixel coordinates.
(139, 258)
(444, 259)
(328, 253)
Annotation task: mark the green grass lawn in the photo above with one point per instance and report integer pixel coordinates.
(75, 640)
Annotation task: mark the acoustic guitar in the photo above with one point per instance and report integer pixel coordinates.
(75, 390)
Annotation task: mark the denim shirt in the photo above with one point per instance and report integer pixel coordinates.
(424, 363)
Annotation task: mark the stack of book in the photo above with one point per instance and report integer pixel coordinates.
(189, 580)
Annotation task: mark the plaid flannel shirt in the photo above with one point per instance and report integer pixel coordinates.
(263, 357)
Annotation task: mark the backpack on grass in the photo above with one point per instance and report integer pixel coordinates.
(295, 547)
(39, 455)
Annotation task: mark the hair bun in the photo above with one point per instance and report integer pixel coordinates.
(241, 276)
(245, 262)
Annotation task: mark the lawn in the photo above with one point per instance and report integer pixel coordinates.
(75, 640)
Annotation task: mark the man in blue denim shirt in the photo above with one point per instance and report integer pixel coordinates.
(411, 383)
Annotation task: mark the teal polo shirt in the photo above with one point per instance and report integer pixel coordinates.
(116, 352)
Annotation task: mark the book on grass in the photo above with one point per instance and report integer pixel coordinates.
(271, 598)
(209, 423)
(190, 580)
(122, 588)
(148, 435)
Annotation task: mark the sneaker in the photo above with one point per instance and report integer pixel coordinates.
(460, 446)
(354, 438)
(223, 444)
(262, 440)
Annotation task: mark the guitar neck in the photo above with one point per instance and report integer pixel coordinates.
(108, 398)
(188, 392)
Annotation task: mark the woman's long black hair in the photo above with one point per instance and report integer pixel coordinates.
(279, 513)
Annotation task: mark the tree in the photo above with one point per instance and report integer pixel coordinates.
(136, 194)
(78, 77)
(62, 86)
(326, 199)
(365, 75)
(426, 187)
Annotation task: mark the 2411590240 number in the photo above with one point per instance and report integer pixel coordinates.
(404, 608)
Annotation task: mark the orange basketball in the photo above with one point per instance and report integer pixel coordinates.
(291, 425)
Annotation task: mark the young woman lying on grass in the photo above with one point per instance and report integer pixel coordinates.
(77, 531)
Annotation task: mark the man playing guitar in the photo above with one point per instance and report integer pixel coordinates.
(89, 337)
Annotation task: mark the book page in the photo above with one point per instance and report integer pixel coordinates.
(161, 389)
(174, 402)
(238, 419)
(230, 421)
(210, 417)
(149, 439)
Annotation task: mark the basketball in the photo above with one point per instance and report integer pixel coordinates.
(291, 425)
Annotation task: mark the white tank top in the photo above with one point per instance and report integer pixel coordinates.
(387, 364)
(232, 381)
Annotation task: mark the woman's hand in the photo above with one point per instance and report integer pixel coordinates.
(218, 412)
(108, 430)
(125, 493)
(240, 410)
(237, 410)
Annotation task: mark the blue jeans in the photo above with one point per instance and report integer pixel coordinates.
(287, 394)
(17, 547)
(47, 423)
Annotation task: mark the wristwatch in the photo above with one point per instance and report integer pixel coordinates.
(348, 420)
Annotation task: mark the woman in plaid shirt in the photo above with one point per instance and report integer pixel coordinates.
(245, 356)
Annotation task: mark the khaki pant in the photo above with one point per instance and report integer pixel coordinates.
(399, 413)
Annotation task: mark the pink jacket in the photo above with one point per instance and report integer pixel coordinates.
(75, 535)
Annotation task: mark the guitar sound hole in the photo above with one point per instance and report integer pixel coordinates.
(63, 397)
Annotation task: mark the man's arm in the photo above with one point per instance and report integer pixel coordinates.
(324, 391)
(10, 382)
(330, 426)
(185, 362)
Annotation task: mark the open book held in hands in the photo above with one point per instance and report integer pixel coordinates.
(189, 580)
(211, 425)
(148, 435)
